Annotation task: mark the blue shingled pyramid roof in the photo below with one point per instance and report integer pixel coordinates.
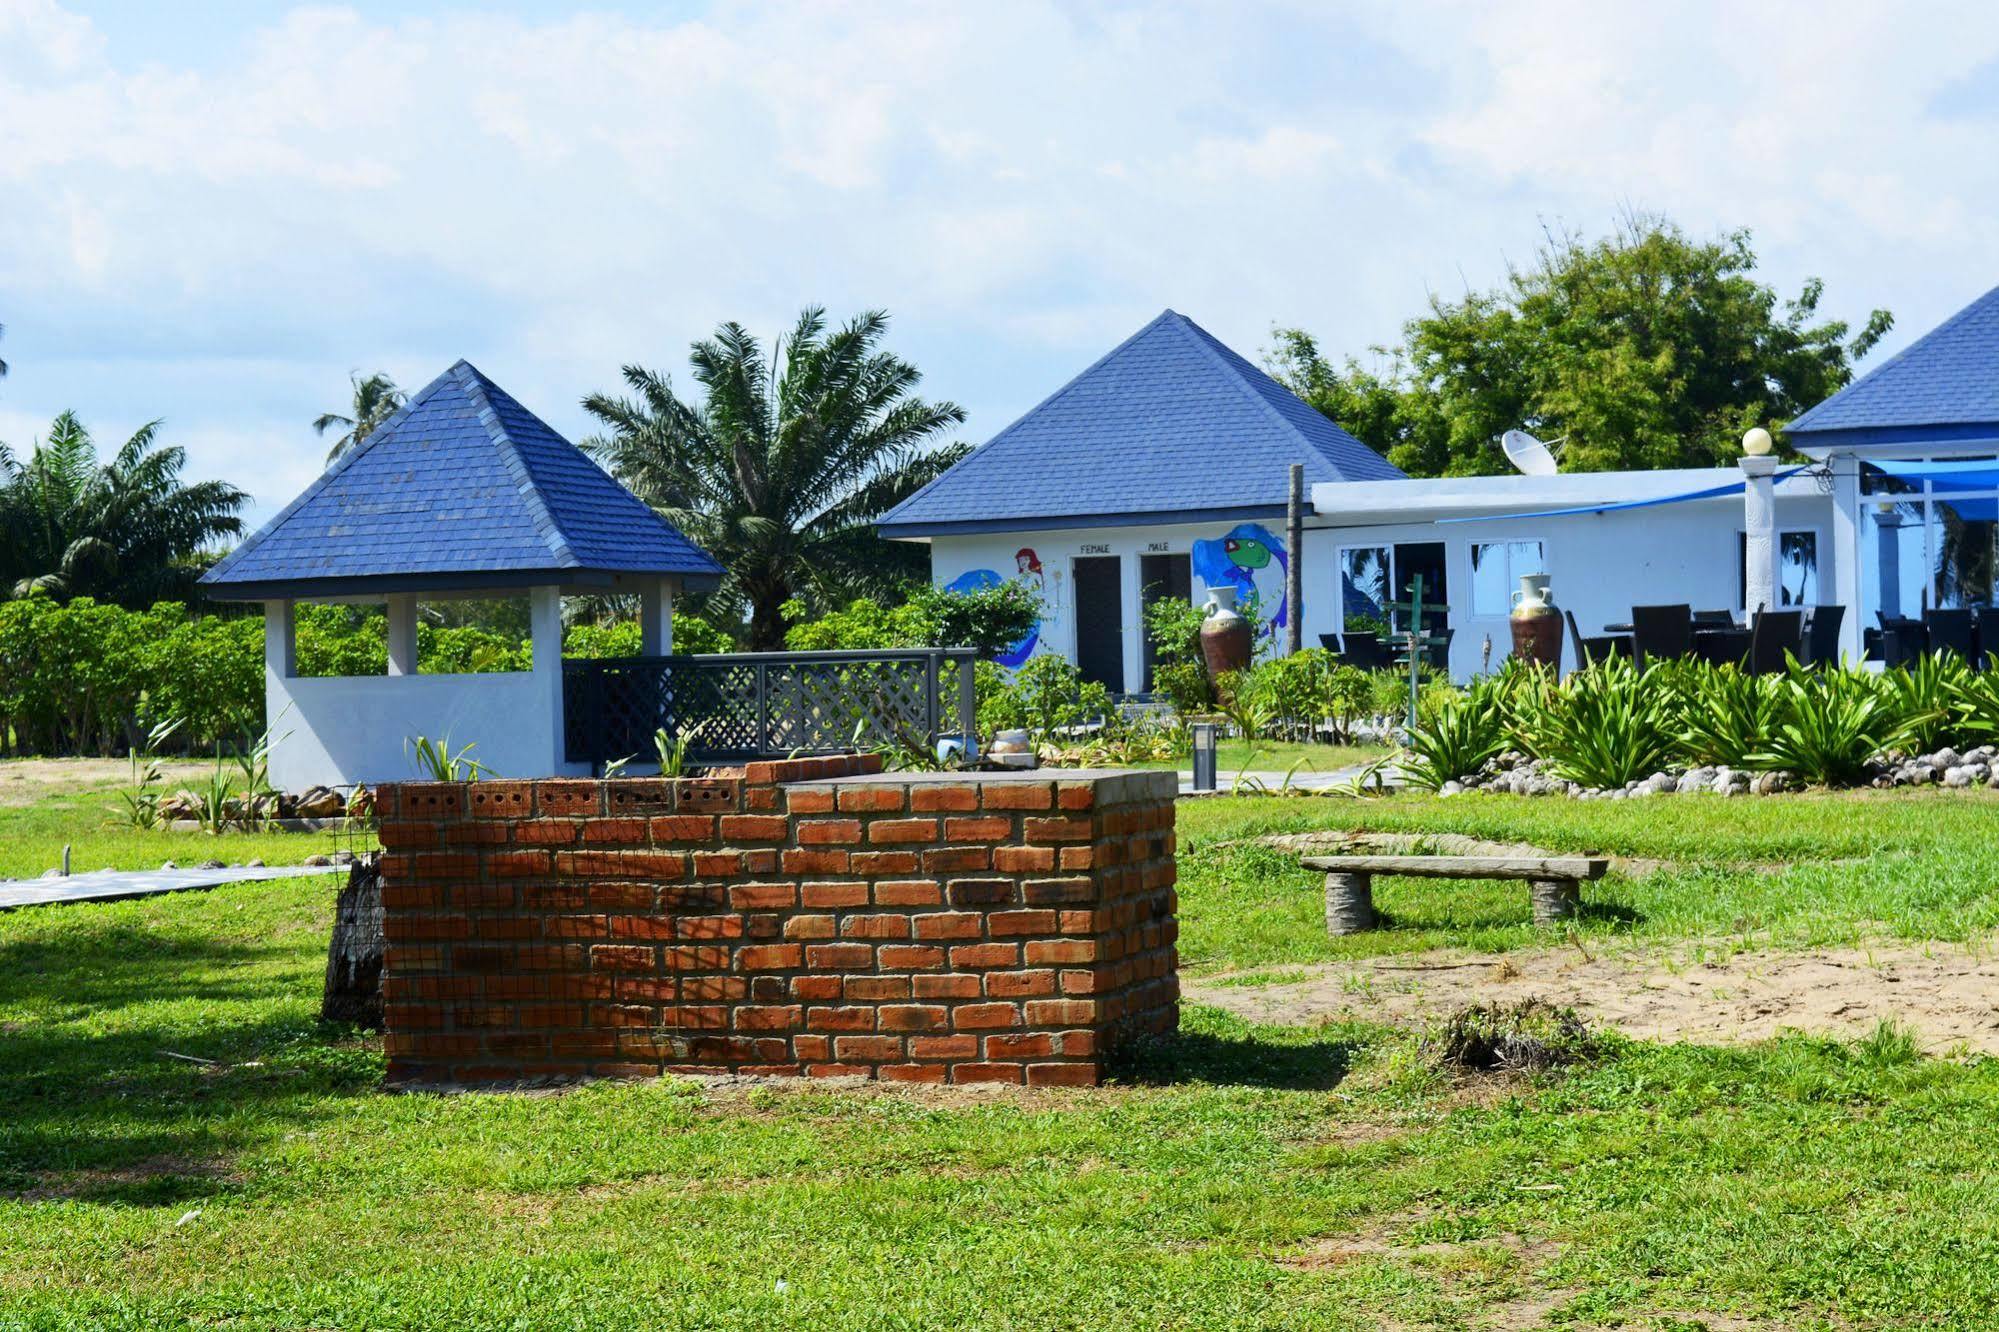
(1944, 386)
(462, 488)
(1171, 425)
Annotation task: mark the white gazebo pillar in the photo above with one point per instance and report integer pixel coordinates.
(545, 644)
(1759, 527)
(402, 633)
(1846, 536)
(280, 642)
(656, 617)
(1888, 531)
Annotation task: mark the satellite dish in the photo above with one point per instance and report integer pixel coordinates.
(1529, 455)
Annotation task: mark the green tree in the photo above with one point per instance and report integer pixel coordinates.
(129, 530)
(782, 469)
(376, 399)
(1646, 349)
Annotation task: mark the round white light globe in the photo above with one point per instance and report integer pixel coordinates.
(1757, 442)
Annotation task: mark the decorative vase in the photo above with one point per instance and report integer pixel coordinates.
(1536, 623)
(1225, 634)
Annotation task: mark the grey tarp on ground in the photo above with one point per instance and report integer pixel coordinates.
(115, 885)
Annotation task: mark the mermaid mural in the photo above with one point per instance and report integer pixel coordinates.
(1027, 569)
(1251, 560)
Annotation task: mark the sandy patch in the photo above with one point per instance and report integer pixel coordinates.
(25, 782)
(1946, 994)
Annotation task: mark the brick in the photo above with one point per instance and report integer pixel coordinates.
(1063, 1075)
(762, 896)
(542, 832)
(694, 1017)
(638, 795)
(1079, 857)
(839, 957)
(568, 798)
(1021, 1045)
(430, 800)
(1061, 1012)
(874, 989)
(949, 925)
(986, 1073)
(1064, 828)
(883, 864)
(933, 1073)
(943, 1047)
(871, 1049)
(828, 832)
(708, 927)
(1076, 795)
(797, 860)
(831, 896)
(911, 1017)
(981, 892)
(1015, 795)
(979, 956)
(706, 795)
(755, 827)
(838, 1070)
(1015, 923)
(949, 859)
(987, 828)
(623, 927)
(621, 831)
(909, 893)
(910, 957)
(875, 927)
(1023, 859)
(853, 1017)
(1019, 984)
(696, 957)
(808, 799)
(1059, 951)
(809, 927)
(901, 832)
(773, 1017)
(970, 1017)
(940, 797)
(815, 987)
(944, 987)
(621, 957)
(517, 864)
(769, 957)
(871, 799)
(682, 828)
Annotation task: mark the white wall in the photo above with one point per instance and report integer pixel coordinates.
(348, 729)
(1601, 565)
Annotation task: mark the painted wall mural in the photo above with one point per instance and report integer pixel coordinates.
(1027, 569)
(1251, 559)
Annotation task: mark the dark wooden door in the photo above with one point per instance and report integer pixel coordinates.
(1161, 578)
(1100, 620)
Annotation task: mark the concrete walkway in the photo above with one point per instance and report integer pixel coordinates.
(1227, 781)
(117, 885)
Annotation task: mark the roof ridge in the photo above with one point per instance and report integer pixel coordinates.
(1974, 307)
(326, 478)
(1210, 346)
(553, 535)
(1022, 419)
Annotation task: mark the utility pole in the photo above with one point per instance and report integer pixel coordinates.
(1294, 571)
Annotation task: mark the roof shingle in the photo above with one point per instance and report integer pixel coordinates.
(1947, 378)
(1170, 422)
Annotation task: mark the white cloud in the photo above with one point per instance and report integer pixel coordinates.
(222, 241)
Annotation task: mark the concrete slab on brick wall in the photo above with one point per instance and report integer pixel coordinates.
(926, 927)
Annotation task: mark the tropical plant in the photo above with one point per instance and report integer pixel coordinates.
(435, 760)
(375, 399)
(1830, 723)
(1924, 695)
(128, 530)
(1457, 732)
(142, 800)
(672, 749)
(1974, 704)
(782, 470)
(1246, 705)
(1727, 714)
(1605, 726)
(1046, 696)
(215, 805)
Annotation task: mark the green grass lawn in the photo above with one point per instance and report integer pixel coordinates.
(1237, 1177)
(45, 804)
(1279, 756)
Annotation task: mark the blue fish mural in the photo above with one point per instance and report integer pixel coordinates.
(1252, 559)
(1028, 570)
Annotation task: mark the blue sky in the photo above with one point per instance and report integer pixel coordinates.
(215, 219)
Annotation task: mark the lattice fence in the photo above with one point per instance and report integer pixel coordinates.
(762, 704)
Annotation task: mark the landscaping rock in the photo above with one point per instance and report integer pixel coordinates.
(210, 864)
(320, 802)
(1695, 779)
(180, 805)
(1451, 789)
(316, 860)
(1772, 783)
(343, 857)
(168, 864)
(1659, 783)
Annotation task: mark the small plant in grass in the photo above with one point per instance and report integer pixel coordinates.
(215, 804)
(672, 749)
(1457, 733)
(142, 803)
(438, 762)
(1531, 1036)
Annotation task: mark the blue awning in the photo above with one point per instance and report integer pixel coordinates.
(1977, 474)
(1712, 492)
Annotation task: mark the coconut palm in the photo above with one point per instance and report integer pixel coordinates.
(782, 469)
(128, 530)
(376, 399)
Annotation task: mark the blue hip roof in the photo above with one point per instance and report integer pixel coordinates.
(1941, 388)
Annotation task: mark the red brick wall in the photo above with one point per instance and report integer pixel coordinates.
(998, 928)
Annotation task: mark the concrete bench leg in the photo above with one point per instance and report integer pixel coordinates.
(1349, 903)
(1555, 899)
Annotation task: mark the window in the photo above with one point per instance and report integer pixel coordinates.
(1797, 569)
(1374, 578)
(1496, 570)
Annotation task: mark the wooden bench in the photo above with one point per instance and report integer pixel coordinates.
(1554, 883)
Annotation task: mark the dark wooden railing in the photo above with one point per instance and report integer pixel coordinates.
(751, 705)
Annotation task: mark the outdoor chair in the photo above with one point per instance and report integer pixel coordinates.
(1772, 636)
(1952, 630)
(1600, 648)
(1366, 651)
(1822, 635)
(1714, 618)
(1721, 644)
(1662, 631)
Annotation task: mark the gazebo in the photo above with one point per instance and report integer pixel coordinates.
(464, 493)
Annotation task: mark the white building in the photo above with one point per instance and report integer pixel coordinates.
(1162, 470)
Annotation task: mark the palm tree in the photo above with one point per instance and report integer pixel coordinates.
(782, 470)
(376, 399)
(128, 530)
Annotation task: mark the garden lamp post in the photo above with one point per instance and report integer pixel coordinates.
(1204, 735)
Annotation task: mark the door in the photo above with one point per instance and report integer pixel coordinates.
(1100, 620)
(1161, 578)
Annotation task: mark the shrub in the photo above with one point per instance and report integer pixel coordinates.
(1045, 695)
(1606, 726)
(1530, 1036)
(1924, 695)
(1728, 715)
(1456, 733)
(1831, 722)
